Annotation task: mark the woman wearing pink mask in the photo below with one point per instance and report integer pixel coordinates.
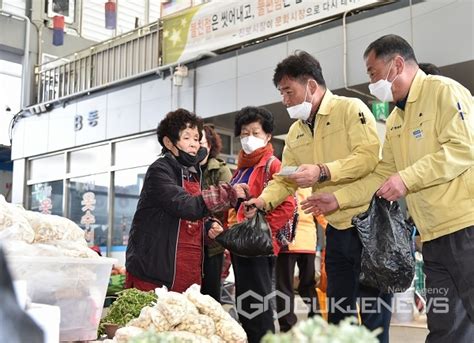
(256, 165)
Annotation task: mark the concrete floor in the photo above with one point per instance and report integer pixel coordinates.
(412, 332)
(407, 334)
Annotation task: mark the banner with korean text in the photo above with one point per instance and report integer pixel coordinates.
(221, 23)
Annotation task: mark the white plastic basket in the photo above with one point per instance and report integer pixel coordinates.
(77, 285)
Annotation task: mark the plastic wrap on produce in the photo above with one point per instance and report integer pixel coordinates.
(46, 234)
(183, 317)
(198, 324)
(13, 224)
(53, 249)
(231, 331)
(174, 306)
(123, 335)
(206, 304)
(48, 227)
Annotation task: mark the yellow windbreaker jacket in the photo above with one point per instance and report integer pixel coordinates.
(431, 146)
(344, 138)
(305, 239)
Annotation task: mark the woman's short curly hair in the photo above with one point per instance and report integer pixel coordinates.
(175, 122)
(213, 139)
(251, 114)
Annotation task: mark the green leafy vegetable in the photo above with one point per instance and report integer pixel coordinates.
(127, 307)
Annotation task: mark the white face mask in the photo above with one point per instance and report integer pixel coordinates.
(252, 143)
(382, 89)
(301, 111)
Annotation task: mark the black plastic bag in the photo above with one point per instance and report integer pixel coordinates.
(15, 325)
(387, 261)
(249, 239)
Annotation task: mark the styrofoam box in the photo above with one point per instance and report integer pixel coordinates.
(77, 285)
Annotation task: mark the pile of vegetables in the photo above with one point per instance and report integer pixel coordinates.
(182, 317)
(317, 330)
(29, 233)
(127, 307)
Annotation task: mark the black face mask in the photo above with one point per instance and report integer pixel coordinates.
(189, 160)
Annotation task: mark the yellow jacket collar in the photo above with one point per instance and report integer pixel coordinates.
(325, 106)
(416, 85)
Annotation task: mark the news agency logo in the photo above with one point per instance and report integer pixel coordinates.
(257, 304)
(261, 304)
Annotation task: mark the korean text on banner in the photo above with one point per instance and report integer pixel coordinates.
(219, 24)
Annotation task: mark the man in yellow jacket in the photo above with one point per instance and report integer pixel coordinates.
(428, 156)
(333, 143)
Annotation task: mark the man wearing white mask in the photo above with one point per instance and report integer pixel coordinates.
(334, 142)
(428, 155)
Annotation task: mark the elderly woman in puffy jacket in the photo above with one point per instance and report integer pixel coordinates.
(173, 214)
(256, 166)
